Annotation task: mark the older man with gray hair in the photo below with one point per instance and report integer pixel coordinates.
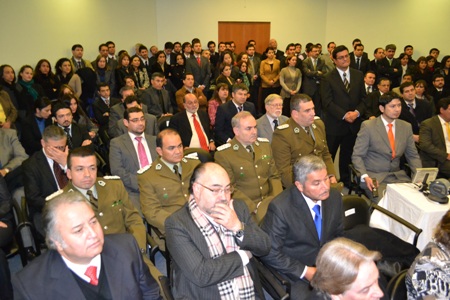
(81, 262)
(300, 221)
(273, 117)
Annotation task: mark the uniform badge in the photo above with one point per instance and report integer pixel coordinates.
(296, 130)
(184, 160)
(236, 147)
(283, 126)
(158, 167)
(313, 126)
(101, 183)
(223, 147)
(257, 143)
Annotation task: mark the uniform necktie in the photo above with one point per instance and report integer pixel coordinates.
(143, 159)
(250, 150)
(391, 140)
(175, 170)
(69, 137)
(448, 130)
(346, 83)
(61, 177)
(92, 199)
(91, 272)
(201, 136)
(357, 63)
(318, 220)
(275, 124)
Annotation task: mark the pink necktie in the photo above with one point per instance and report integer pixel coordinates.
(91, 272)
(141, 152)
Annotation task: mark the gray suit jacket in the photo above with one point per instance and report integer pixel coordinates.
(202, 74)
(151, 126)
(151, 99)
(116, 114)
(289, 83)
(125, 163)
(196, 274)
(433, 150)
(311, 77)
(372, 152)
(12, 153)
(265, 129)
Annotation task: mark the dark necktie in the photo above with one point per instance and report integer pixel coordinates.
(61, 177)
(411, 109)
(92, 199)
(275, 124)
(250, 150)
(175, 170)
(161, 101)
(368, 90)
(357, 63)
(318, 220)
(78, 65)
(346, 83)
(69, 137)
(240, 108)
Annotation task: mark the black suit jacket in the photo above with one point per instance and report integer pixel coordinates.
(438, 96)
(180, 123)
(128, 277)
(336, 102)
(225, 112)
(364, 63)
(372, 106)
(422, 111)
(386, 70)
(151, 99)
(31, 135)
(79, 134)
(291, 228)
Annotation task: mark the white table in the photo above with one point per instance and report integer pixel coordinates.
(407, 202)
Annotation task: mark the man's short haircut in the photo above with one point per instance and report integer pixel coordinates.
(328, 45)
(376, 50)
(235, 121)
(53, 132)
(358, 45)
(338, 264)
(386, 98)
(186, 74)
(305, 165)
(297, 44)
(195, 41)
(338, 49)
(391, 47)
(128, 111)
(110, 43)
(371, 72)
(76, 46)
(290, 45)
(185, 44)
(49, 216)
(198, 171)
(239, 86)
(168, 45)
(434, 49)
(102, 84)
(125, 88)
(249, 46)
(142, 47)
(443, 103)
(406, 47)
(358, 41)
(211, 43)
(59, 105)
(251, 41)
(296, 99)
(308, 47)
(157, 74)
(102, 45)
(131, 99)
(162, 134)
(405, 85)
(83, 151)
(269, 99)
(384, 79)
(438, 75)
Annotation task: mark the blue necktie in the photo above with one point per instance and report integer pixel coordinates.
(318, 220)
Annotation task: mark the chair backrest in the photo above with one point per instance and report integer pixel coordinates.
(356, 211)
(203, 155)
(397, 287)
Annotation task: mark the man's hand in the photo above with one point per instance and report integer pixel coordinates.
(333, 179)
(369, 183)
(57, 155)
(92, 134)
(3, 172)
(212, 146)
(310, 273)
(416, 138)
(225, 215)
(3, 225)
(86, 143)
(351, 116)
(6, 125)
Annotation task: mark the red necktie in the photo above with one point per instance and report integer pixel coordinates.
(199, 61)
(91, 272)
(201, 136)
(391, 140)
(141, 152)
(61, 177)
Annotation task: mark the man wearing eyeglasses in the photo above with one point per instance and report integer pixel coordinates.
(212, 239)
(249, 163)
(272, 118)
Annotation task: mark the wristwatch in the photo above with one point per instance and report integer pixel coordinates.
(240, 233)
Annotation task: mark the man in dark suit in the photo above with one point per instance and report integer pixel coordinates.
(199, 66)
(125, 155)
(375, 64)
(300, 221)
(171, 58)
(433, 140)
(414, 111)
(255, 62)
(358, 61)
(146, 62)
(391, 67)
(44, 173)
(84, 264)
(156, 98)
(343, 107)
(313, 70)
(369, 82)
(193, 125)
(225, 112)
(278, 53)
(372, 106)
(214, 58)
(438, 91)
(380, 144)
(212, 239)
(76, 136)
(101, 107)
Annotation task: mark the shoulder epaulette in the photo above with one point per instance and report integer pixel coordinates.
(193, 155)
(144, 169)
(57, 193)
(283, 126)
(263, 140)
(316, 118)
(111, 177)
(223, 147)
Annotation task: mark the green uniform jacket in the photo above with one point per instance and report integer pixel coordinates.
(290, 141)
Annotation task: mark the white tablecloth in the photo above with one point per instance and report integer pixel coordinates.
(410, 204)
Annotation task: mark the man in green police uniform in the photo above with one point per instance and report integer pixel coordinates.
(249, 162)
(164, 185)
(301, 135)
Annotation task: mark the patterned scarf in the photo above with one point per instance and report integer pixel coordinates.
(245, 78)
(216, 246)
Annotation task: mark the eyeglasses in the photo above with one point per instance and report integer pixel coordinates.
(229, 189)
(276, 105)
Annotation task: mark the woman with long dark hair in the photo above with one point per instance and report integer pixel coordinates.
(29, 91)
(64, 73)
(34, 125)
(44, 76)
(105, 73)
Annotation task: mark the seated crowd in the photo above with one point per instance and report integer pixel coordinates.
(119, 143)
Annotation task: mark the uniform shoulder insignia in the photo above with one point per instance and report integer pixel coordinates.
(111, 177)
(223, 147)
(314, 126)
(263, 140)
(144, 169)
(283, 126)
(193, 155)
(51, 196)
(316, 118)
